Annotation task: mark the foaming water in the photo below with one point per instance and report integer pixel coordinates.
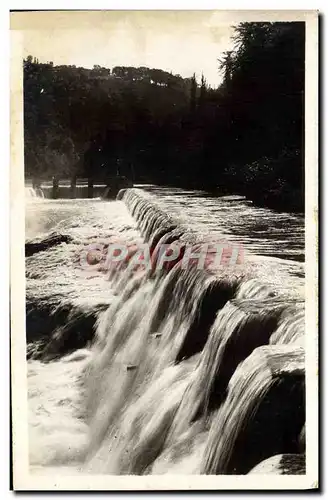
(166, 372)
(58, 432)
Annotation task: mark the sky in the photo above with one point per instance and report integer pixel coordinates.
(183, 42)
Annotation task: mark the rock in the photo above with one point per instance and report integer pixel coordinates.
(263, 414)
(52, 240)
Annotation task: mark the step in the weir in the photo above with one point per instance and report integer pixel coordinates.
(192, 297)
(291, 328)
(240, 327)
(212, 298)
(263, 414)
(148, 214)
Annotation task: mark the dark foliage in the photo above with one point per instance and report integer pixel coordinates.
(152, 126)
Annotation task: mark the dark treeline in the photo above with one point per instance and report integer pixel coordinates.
(246, 136)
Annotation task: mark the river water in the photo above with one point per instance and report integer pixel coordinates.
(167, 373)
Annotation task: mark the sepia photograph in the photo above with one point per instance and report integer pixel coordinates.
(164, 283)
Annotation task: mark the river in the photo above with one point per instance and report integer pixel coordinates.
(174, 372)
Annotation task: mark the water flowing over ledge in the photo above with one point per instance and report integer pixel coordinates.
(210, 368)
(189, 371)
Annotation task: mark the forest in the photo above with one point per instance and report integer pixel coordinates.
(244, 137)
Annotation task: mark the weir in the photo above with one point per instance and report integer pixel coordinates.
(191, 371)
(208, 380)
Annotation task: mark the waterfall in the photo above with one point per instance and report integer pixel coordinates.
(249, 426)
(192, 371)
(172, 370)
(80, 191)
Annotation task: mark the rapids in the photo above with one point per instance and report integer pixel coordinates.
(179, 371)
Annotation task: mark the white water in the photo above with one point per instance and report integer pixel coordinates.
(31, 192)
(124, 405)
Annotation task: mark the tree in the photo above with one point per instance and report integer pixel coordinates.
(245, 136)
(226, 65)
(193, 90)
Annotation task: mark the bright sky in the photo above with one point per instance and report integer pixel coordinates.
(183, 42)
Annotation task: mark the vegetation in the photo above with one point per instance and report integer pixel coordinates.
(247, 136)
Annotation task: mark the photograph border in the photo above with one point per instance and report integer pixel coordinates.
(23, 480)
